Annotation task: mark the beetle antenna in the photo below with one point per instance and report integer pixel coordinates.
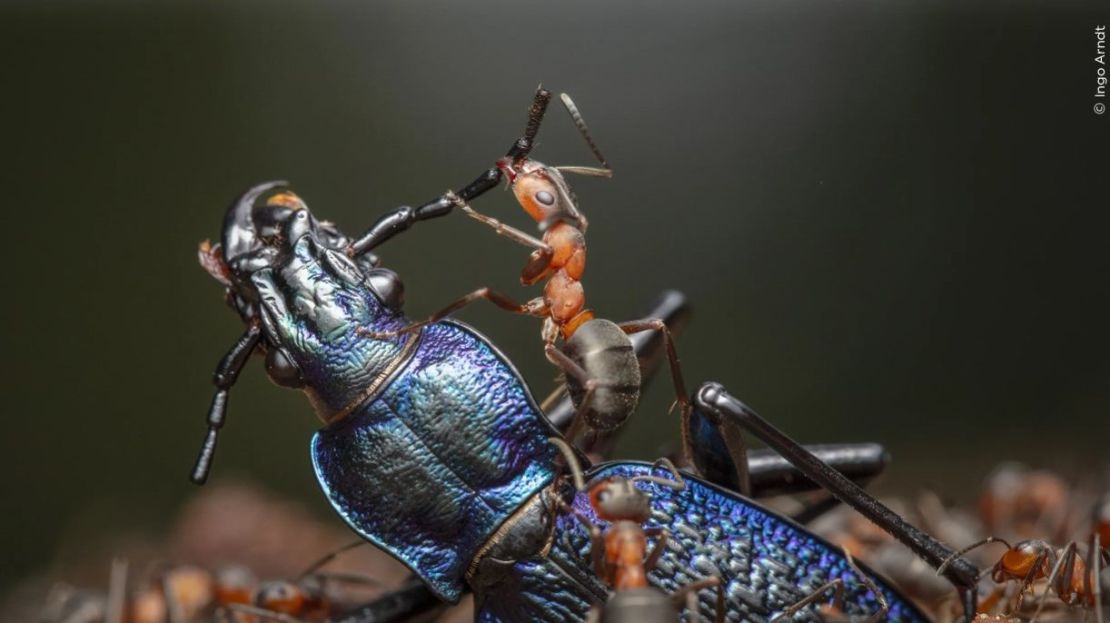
(572, 462)
(580, 123)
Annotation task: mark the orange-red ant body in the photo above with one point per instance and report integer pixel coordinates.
(597, 359)
(1073, 580)
(620, 553)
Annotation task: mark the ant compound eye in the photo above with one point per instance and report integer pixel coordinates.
(545, 198)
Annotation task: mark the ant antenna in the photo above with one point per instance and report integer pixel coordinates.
(580, 123)
(572, 462)
(330, 556)
(975, 545)
(676, 482)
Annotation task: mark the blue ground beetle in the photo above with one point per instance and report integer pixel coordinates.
(434, 450)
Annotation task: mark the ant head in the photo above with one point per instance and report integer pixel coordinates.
(542, 192)
(616, 499)
(234, 585)
(280, 596)
(1034, 557)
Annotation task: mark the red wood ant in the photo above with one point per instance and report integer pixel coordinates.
(602, 374)
(620, 553)
(1074, 581)
(287, 601)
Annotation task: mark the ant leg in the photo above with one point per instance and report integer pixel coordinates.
(1094, 579)
(330, 556)
(660, 544)
(675, 482)
(173, 605)
(683, 593)
(1026, 583)
(713, 399)
(500, 228)
(733, 442)
(884, 607)
(737, 449)
(361, 579)
(535, 307)
(408, 602)
(655, 324)
(402, 218)
(570, 368)
(838, 599)
(1065, 560)
(227, 372)
(674, 309)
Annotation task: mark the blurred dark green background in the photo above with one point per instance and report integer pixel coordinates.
(891, 217)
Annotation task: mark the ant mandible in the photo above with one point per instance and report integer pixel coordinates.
(620, 555)
(597, 359)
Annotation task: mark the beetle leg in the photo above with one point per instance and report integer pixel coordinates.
(227, 372)
(713, 398)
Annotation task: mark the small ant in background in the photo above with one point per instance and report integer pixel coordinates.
(242, 599)
(1074, 581)
(620, 553)
(1024, 503)
(597, 359)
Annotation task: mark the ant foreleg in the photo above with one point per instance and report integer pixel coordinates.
(660, 544)
(500, 228)
(838, 599)
(535, 307)
(683, 594)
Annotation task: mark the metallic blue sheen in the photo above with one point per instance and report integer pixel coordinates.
(767, 561)
(434, 445)
(431, 468)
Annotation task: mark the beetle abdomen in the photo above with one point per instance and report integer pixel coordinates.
(605, 353)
